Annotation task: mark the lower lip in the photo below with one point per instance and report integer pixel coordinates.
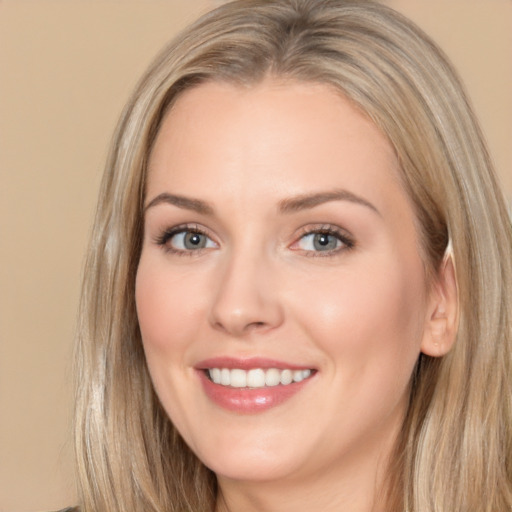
(249, 400)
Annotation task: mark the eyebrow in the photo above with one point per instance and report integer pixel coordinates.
(186, 203)
(289, 205)
(306, 201)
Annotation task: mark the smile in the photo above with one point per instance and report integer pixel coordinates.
(256, 377)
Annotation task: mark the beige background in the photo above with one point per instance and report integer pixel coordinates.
(66, 68)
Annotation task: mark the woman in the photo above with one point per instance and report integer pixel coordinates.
(298, 290)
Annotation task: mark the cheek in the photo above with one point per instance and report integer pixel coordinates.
(167, 311)
(372, 318)
(167, 306)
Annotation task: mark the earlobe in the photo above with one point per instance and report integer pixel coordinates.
(443, 312)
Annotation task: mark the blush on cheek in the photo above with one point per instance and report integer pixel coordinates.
(151, 306)
(369, 317)
(167, 308)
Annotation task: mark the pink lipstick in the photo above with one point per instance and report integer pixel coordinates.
(251, 385)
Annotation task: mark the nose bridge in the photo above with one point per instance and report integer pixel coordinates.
(247, 297)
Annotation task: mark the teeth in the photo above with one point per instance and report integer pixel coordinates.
(272, 377)
(286, 377)
(257, 377)
(215, 375)
(225, 378)
(297, 375)
(238, 378)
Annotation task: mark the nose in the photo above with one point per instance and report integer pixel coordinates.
(247, 297)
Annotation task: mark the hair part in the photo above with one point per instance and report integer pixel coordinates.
(454, 453)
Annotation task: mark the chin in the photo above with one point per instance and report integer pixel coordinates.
(252, 469)
(253, 460)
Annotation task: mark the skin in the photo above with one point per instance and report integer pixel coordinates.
(358, 315)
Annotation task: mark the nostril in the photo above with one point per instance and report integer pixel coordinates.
(242, 328)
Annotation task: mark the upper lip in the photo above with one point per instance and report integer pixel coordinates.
(248, 363)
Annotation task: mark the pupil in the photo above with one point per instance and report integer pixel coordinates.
(323, 239)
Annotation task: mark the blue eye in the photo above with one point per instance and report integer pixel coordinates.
(323, 240)
(190, 241)
(181, 240)
(319, 242)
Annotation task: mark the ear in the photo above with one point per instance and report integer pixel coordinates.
(443, 311)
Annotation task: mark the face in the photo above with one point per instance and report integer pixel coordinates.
(280, 292)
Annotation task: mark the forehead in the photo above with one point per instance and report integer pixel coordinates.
(276, 128)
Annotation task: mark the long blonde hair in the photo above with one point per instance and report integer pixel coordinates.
(454, 453)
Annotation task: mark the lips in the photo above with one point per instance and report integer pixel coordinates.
(251, 385)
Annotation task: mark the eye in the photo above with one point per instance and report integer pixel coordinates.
(326, 240)
(319, 242)
(190, 241)
(185, 240)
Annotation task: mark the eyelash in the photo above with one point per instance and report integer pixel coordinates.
(347, 241)
(163, 239)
